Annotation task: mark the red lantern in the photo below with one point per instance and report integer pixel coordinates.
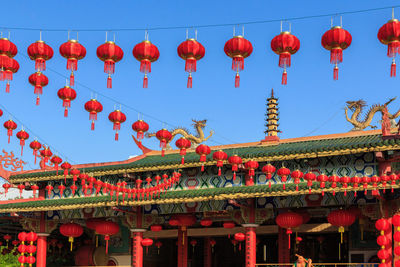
(285, 44)
(35, 145)
(310, 177)
(156, 228)
(191, 51)
(284, 173)
(75, 173)
(10, 125)
(164, 136)
(341, 218)
(110, 53)
(34, 188)
(6, 187)
(147, 242)
(322, 179)
(146, 53)
(56, 160)
(336, 40)
(396, 222)
(1, 113)
(389, 34)
(228, 225)
(22, 259)
(140, 127)
(296, 175)
(31, 237)
(355, 180)
(22, 136)
(235, 161)
(93, 107)
(268, 170)
(334, 179)
(384, 179)
(8, 48)
(72, 51)
(206, 222)
(61, 188)
(220, 156)
(158, 244)
(240, 237)
(382, 225)
(289, 220)
(66, 94)
(183, 144)
(251, 166)
(107, 228)
(203, 150)
(40, 52)
(66, 166)
(21, 187)
(375, 180)
(39, 80)
(117, 117)
(8, 66)
(393, 177)
(45, 153)
(238, 48)
(49, 188)
(71, 230)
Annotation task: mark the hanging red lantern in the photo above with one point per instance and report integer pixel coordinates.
(355, 180)
(334, 179)
(156, 228)
(283, 173)
(49, 188)
(191, 51)
(10, 125)
(107, 228)
(206, 222)
(147, 242)
(336, 40)
(183, 144)
(140, 127)
(393, 178)
(344, 181)
(220, 156)
(158, 244)
(8, 48)
(146, 53)
(7, 237)
(238, 48)
(375, 180)
(164, 136)
(117, 117)
(8, 66)
(289, 220)
(22, 136)
(285, 44)
(310, 178)
(382, 225)
(93, 107)
(40, 52)
(61, 188)
(384, 179)
(56, 160)
(66, 167)
(322, 179)
(45, 153)
(228, 225)
(39, 80)
(22, 236)
(66, 94)
(296, 175)
(73, 51)
(34, 188)
(389, 34)
(71, 230)
(75, 173)
(341, 218)
(35, 145)
(110, 53)
(235, 161)
(240, 237)
(6, 187)
(203, 150)
(1, 113)
(268, 170)
(251, 166)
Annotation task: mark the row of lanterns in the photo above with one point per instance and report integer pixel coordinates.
(27, 250)
(384, 239)
(238, 48)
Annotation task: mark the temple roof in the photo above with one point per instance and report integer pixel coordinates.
(284, 149)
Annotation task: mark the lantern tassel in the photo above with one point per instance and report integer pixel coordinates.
(40, 64)
(393, 69)
(183, 160)
(234, 175)
(116, 136)
(37, 101)
(72, 79)
(92, 125)
(190, 81)
(8, 87)
(335, 73)
(219, 171)
(284, 77)
(269, 184)
(66, 112)
(202, 167)
(145, 81)
(237, 80)
(71, 240)
(109, 81)
(162, 152)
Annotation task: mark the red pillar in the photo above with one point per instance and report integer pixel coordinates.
(182, 247)
(207, 252)
(42, 240)
(251, 245)
(283, 247)
(137, 237)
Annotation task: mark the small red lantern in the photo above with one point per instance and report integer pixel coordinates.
(34, 188)
(10, 125)
(22, 136)
(191, 51)
(336, 40)
(61, 188)
(235, 161)
(158, 244)
(220, 156)
(6, 187)
(384, 179)
(140, 127)
(31, 237)
(285, 44)
(251, 166)
(156, 228)
(8, 66)
(147, 242)
(228, 225)
(389, 34)
(183, 144)
(107, 228)
(146, 53)
(310, 178)
(341, 218)
(322, 179)
(355, 180)
(206, 222)
(66, 167)
(56, 160)
(283, 173)
(344, 181)
(45, 153)
(164, 136)
(203, 150)
(393, 177)
(73, 51)
(66, 94)
(117, 117)
(375, 180)
(334, 179)
(21, 187)
(49, 188)
(382, 225)
(40, 52)
(39, 80)
(238, 48)
(93, 107)
(289, 220)
(268, 170)
(240, 237)
(22, 236)
(8, 48)
(296, 175)
(71, 230)
(110, 53)
(35, 145)
(75, 173)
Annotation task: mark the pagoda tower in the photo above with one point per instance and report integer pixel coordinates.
(272, 119)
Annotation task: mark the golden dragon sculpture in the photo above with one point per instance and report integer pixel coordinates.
(195, 139)
(357, 108)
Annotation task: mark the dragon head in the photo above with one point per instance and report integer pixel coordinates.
(353, 105)
(200, 124)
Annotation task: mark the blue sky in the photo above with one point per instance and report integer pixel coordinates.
(311, 104)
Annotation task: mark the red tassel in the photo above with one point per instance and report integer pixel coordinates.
(189, 82)
(309, 190)
(284, 77)
(269, 184)
(92, 126)
(162, 152)
(234, 175)
(333, 193)
(9, 133)
(145, 81)
(109, 82)
(284, 186)
(116, 136)
(219, 171)
(322, 193)
(183, 160)
(393, 69)
(284, 60)
(72, 79)
(72, 64)
(297, 188)
(66, 112)
(37, 101)
(202, 167)
(8, 87)
(190, 65)
(335, 73)
(145, 66)
(40, 64)
(355, 193)
(237, 80)
(238, 63)
(345, 193)
(35, 153)
(336, 55)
